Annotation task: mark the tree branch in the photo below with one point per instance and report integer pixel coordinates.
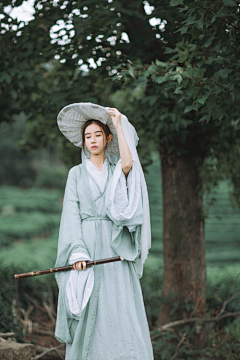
(226, 302)
(173, 324)
(47, 350)
(178, 346)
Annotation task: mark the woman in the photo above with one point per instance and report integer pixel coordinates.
(101, 312)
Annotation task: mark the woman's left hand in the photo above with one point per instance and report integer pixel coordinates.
(116, 116)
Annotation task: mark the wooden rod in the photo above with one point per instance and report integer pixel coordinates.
(68, 267)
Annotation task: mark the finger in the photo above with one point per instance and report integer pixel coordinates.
(84, 265)
(79, 266)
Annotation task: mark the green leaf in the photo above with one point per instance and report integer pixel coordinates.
(176, 2)
(223, 73)
(202, 99)
(169, 50)
(177, 77)
(205, 117)
(161, 79)
(188, 73)
(199, 24)
(161, 63)
(151, 69)
(190, 108)
(191, 20)
(183, 30)
(230, 3)
(178, 91)
(182, 55)
(131, 71)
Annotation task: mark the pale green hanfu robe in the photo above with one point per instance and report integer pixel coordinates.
(101, 314)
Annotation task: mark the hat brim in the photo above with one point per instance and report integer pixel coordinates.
(72, 117)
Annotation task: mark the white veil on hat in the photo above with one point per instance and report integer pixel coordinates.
(132, 138)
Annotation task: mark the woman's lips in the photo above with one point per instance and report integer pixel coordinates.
(94, 147)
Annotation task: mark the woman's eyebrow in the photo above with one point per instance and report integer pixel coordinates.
(95, 132)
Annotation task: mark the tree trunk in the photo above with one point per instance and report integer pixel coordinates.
(184, 248)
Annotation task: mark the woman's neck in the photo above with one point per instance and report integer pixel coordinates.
(98, 160)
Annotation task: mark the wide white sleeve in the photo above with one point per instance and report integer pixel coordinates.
(80, 285)
(125, 201)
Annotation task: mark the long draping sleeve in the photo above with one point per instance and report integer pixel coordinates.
(71, 247)
(124, 207)
(79, 285)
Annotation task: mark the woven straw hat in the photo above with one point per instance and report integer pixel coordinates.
(72, 117)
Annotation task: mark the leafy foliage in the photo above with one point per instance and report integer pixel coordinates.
(175, 80)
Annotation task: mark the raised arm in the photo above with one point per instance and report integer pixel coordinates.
(125, 153)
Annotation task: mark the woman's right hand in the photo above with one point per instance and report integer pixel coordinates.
(80, 265)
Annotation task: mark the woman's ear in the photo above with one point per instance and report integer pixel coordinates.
(109, 138)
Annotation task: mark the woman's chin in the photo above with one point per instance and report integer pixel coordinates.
(96, 151)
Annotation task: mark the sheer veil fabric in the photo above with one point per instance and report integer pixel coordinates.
(132, 138)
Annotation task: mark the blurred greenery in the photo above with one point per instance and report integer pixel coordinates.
(35, 213)
(38, 254)
(38, 168)
(43, 200)
(26, 225)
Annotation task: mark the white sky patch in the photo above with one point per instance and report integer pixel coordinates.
(112, 40)
(98, 38)
(84, 67)
(148, 8)
(154, 21)
(124, 36)
(158, 22)
(25, 12)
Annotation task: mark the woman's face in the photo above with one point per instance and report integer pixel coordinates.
(95, 139)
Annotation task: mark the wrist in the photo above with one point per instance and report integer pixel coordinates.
(118, 127)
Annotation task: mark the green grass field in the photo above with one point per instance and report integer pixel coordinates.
(29, 223)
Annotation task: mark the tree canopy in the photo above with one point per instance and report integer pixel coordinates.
(177, 60)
